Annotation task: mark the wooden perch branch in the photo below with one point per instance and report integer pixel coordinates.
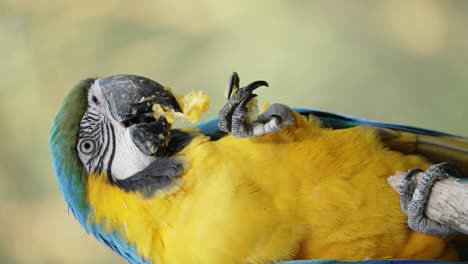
(448, 201)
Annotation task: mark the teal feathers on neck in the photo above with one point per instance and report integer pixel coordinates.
(71, 174)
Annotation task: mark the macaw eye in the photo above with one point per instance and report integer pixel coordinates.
(87, 146)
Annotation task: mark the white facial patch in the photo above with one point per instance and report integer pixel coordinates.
(128, 159)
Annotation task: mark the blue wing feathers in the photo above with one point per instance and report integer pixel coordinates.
(336, 119)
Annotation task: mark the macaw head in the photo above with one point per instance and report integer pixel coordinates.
(107, 127)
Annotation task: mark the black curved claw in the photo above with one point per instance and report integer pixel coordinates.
(255, 85)
(232, 117)
(233, 83)
(246, 100)
(411, 173)
(450, 169)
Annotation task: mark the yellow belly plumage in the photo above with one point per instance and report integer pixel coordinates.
(304, 192)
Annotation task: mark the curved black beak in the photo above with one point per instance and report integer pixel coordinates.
(131, 99)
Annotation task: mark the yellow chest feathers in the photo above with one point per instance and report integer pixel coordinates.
(304, 192)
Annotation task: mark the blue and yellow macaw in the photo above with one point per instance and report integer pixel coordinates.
(290, 185)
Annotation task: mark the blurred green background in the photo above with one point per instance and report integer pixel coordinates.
(396, 61)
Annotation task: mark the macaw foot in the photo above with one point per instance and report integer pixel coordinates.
(413, 198)
(233, 118)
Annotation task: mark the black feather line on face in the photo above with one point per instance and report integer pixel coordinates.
(94, 126)
(111, 158)
(101, 142)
